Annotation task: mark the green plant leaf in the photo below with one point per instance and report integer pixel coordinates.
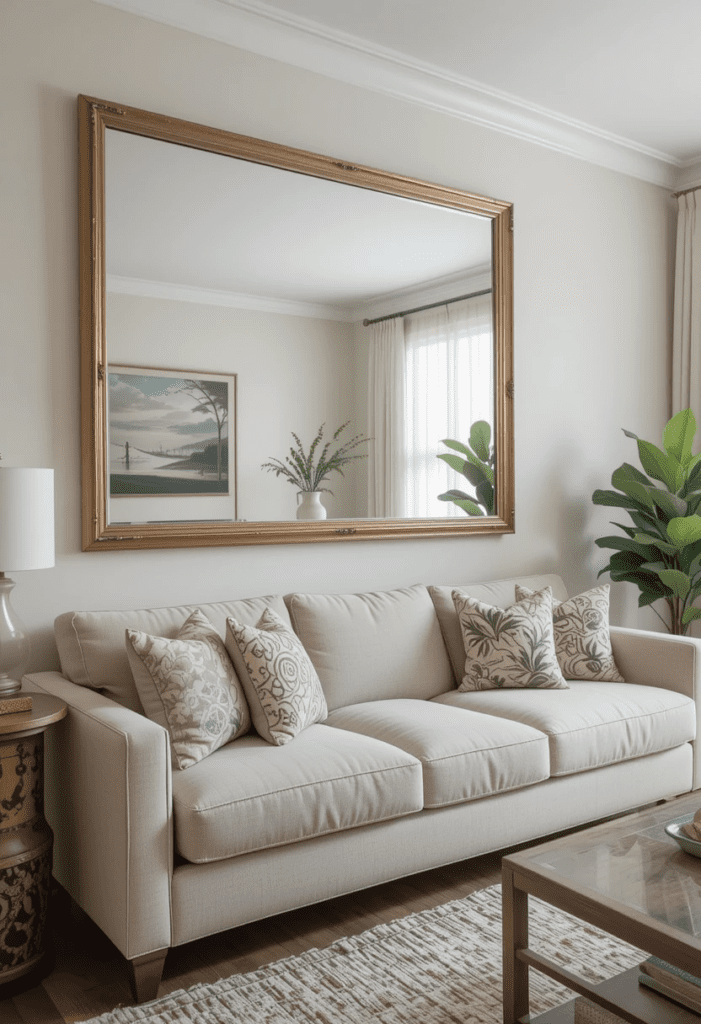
(653, 566)
(623, 544)
(615, 500)
(469, 507)
(629, 433)
(679, 436)
(660, 465)
(647, 597)
(684, 531)
(690, 614)
(678, 582)
(454, 493)
(671, 505)
(457, 446)
(628, 530)
(485, 496)
(480, 436)
(475, 474)
(687, 557)
(650, 539)
(454, 461)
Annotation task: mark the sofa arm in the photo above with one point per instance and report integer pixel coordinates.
(661, 659)
(109, 802)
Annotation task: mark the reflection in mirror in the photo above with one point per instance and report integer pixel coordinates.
(245, 304)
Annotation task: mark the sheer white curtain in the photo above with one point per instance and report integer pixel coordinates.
(686, 363)
(449, 385)
(386, 402)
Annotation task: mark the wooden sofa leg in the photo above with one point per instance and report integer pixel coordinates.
(146, 974)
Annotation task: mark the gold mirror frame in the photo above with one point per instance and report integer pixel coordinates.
(94, 116)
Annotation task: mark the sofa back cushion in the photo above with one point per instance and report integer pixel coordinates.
(373, 646)
(92, 645)
(500, 593)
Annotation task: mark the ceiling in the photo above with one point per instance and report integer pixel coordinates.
(615, 82)
(198, 226)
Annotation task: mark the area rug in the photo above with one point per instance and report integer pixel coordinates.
(440, 966)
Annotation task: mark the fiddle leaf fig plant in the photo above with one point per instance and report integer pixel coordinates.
(475, 462)
(661, 551)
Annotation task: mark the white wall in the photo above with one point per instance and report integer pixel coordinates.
(292, 375)
(592, 306)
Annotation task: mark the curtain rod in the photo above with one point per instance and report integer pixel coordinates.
(684, 191)
(431, 305)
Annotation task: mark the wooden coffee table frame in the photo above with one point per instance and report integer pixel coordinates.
(622, 995)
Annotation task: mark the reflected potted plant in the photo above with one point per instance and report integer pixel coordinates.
(475, 462)
(308, 470)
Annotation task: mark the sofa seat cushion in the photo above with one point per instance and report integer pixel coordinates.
(249, 795)
(591, 724)
(464, 754)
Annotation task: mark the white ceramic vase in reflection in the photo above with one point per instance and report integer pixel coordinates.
(310, 506)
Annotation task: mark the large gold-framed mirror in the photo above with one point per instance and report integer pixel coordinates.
(237, 297)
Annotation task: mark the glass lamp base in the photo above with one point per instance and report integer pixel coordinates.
(14, 642)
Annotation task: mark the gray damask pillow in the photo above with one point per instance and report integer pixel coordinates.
(582, 635)
(188, 685)
(281, 684)
(509, 647)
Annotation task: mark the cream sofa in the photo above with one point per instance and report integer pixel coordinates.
(405, 774)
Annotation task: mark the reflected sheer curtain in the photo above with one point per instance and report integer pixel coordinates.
(431, 376)
(686, 362)
(387, 386)
(450, 384)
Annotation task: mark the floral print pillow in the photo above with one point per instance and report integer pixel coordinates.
(281, 684)
(582, 636)
(189, 686)
(509, 647)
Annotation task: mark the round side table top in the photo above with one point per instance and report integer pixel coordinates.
(45, 711)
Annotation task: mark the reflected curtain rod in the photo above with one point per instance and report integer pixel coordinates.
(431, 305)
(685, 191)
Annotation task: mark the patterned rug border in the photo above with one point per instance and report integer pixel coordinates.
(462, 973)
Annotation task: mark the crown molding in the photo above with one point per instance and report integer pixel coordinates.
(212, 297)
(254, 26)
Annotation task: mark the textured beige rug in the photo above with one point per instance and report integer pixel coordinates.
(440, 966)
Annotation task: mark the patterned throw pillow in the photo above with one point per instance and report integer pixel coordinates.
(582, 637)
(509, 647)
(188, 685)
(281, 684)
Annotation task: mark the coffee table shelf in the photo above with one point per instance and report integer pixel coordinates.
(646, 1005)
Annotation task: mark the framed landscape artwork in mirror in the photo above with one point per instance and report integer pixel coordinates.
(353, 330)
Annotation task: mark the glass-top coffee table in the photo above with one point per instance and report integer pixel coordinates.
(626, 877)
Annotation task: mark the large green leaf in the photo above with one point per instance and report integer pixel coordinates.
(457, 446)
(469, 507)
(678, 582)
(469, 456)
(670, 505)
(687, 557)
(650, 539)
(623, 544)
(615, 500)
(475, 474)
(485, 496)
(690, 614)
(683, 531)
(628, 530)
(660, 465)
(635, 473)
(480, 436)
(454, 461)
(653, 566)
(679, 435)
(454, 493)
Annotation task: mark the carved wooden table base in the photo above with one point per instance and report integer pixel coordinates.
(26, 840)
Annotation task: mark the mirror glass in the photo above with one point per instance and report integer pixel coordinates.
(249, 312)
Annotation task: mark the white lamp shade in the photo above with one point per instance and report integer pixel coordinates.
(26, 518)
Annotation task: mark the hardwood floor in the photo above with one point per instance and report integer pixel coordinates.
(89, 976)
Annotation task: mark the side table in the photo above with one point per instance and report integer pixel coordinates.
(26, 840)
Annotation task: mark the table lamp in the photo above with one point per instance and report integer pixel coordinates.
(26, 542)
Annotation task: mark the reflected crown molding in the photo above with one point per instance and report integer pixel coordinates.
(215, 297)
(254, 26)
